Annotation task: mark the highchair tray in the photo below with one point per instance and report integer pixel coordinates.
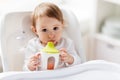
(91, 70)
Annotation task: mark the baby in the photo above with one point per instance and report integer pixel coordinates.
(48, 25)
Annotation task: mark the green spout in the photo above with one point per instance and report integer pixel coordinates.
(49, 48)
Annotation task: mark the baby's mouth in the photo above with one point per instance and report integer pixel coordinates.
(52, 41)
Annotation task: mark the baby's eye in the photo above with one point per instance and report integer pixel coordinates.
(55, 28)
(44, 30)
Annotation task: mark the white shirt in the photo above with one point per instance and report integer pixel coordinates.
(34, 47)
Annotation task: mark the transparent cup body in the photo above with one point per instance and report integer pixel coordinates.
(49, 61)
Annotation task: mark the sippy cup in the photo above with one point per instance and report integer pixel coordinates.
(49, 57)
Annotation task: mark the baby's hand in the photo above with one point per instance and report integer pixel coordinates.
(65, 57)
(34, 62)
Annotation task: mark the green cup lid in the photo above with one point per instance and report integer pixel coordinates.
(49, 48)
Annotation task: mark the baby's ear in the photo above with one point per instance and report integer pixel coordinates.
(33, 29)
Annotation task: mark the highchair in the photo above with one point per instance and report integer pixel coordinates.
(16, 32)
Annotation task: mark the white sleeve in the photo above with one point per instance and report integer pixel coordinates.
(29, 50)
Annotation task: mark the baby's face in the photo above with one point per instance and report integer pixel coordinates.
(49, 29)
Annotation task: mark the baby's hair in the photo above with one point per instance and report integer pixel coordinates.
(47, 9)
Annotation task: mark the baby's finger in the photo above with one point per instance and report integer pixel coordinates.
(34, 59)
(64, 59)
(37, 55)
(34, 67)
(63, 49)
(63, 54)
(34, 62)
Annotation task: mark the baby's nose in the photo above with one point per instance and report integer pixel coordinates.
(51, 35)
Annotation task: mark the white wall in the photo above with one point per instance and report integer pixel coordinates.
(84, 9)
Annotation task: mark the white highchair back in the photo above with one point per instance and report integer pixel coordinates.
(16, 32)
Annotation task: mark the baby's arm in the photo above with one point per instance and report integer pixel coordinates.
(31, 60)
(70, 53)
